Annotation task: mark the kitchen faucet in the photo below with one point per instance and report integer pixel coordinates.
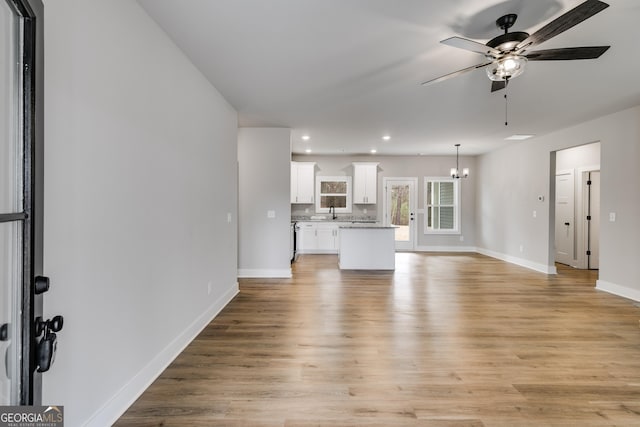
(334, 212)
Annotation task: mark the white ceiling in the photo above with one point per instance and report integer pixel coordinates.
(346, 72)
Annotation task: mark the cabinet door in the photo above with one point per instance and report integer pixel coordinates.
(371, 183)
(365, 186)
(294, 182)
(306, 182)
(307, 240)
(326, 238)
(302, 182)
(359, 184)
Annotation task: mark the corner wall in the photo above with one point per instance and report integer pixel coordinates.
(264, 161)
(511, 178)
(140, 177)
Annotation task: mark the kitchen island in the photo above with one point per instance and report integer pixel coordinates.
(367, 247)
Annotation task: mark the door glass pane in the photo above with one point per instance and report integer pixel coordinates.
(10, 202)
(10, 301)
(10, 105)
(400, 211)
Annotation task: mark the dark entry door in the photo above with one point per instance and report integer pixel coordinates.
(21, 185)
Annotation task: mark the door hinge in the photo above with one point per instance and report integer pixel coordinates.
(588, 252)
(588, 217)
(589, 182)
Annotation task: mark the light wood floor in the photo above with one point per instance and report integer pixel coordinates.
(445, 340)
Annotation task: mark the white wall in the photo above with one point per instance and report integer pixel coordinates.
(264, 156)
(511, 179)
(140, 174)
(407, 166)
(587, 155)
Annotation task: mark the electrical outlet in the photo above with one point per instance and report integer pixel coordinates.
(521, 248)
(535, 214)
(271, 214)
(462, 238)
(229, 217)
(209, 285)
(612, 217)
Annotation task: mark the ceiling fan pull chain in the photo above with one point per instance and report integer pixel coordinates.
(506, 102)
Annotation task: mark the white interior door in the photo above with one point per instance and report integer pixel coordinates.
(400, 210)
(593, 225)
(565, 218)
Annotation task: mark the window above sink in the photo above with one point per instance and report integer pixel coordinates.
(333, 191)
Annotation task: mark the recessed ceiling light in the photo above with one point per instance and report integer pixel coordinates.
(308, 150)
(374, 151)
(386, 137)
(519, 137)
(305, 137)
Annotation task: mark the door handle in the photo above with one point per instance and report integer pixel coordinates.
(566, 223)
(46, 348)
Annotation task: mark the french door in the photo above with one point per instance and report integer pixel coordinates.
(400, 201)
(21, 180)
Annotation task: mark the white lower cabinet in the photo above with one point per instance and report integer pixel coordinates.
(318, 237)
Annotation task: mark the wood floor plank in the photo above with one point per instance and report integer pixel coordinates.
(445, 340)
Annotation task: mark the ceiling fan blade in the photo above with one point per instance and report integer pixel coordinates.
(561, 24)
(497, 85)
(455, 73)
(567, 53)
(470, 45)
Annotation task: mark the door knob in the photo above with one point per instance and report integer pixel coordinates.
(41, 285)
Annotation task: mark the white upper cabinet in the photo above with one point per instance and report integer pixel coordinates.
(365, 182)
(302, 182)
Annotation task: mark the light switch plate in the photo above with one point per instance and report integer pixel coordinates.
(612, 217)
(271, 214)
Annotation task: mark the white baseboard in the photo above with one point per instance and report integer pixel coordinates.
(619, 290)
(542, 268)
(249, 273)
(317, 252)
(127, 395)
(446, 249)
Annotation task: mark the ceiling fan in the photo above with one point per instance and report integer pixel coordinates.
(507, 54)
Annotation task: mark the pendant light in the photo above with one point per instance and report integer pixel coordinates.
(455, 172)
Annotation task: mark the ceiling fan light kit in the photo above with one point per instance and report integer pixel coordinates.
(508, 67)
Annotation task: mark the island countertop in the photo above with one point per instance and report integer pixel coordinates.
(373, 226)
